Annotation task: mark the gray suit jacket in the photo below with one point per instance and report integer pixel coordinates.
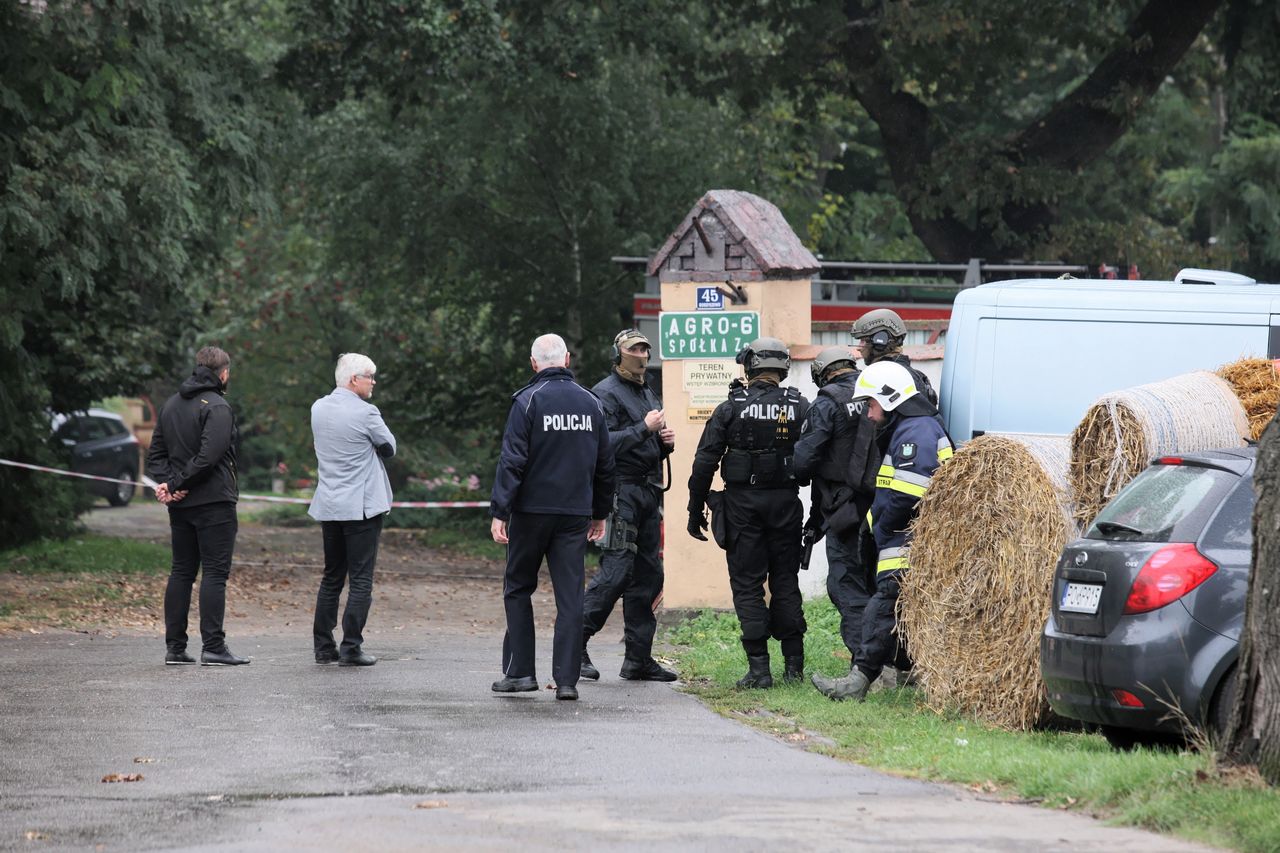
(348, 433)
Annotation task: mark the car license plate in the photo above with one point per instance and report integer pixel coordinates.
(1081, 597)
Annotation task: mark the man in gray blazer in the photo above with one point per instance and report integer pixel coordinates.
(352, 496)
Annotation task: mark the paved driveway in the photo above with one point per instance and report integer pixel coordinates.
(284, 754)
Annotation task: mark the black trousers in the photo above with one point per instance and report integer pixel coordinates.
(850, 585)
(350, 550)
(562, 540)
(881, 646)
(634, 576)
(203, 539)
(763, 527)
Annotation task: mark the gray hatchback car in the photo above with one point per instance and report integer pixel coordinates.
(1148, 606)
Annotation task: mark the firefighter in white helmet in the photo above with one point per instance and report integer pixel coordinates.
(914, 445)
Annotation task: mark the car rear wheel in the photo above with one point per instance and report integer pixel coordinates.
(123, 492)
(1224, 699)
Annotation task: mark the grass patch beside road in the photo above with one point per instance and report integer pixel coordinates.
(82, 581)
(1182, 794)
(87, 554)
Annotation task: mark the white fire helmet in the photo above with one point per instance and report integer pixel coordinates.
(888, 383)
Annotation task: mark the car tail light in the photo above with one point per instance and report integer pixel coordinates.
(1169, 574)
(1127, 699)
(1169, 460)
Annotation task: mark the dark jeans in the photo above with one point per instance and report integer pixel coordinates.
(763, 527)
(562, 540)
(881, 645)
(203, 539)
(634, 576)
(350, 550)
(850, 585)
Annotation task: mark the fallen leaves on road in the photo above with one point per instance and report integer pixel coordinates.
(987, 787)
(122, 777)
(431, 804)
(140, 760)
(36, 835)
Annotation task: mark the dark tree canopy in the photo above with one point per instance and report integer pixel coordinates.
(125, 138)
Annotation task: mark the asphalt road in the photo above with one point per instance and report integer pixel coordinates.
(417, 753)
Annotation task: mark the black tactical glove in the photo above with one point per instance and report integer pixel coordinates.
(697, 524)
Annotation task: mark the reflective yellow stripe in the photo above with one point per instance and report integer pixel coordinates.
(891, 563)
(884, 476)
(906, 488)
(870, 523)
(945, 453)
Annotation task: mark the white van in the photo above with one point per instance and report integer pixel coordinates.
(1033, 355)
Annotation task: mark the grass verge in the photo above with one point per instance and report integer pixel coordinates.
(1179, 793)
(86, 554)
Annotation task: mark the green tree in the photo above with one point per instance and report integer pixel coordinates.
(480, 204)
(128, 134)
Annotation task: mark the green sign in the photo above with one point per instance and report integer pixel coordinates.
(703, 334)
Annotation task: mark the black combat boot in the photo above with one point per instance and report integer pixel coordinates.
(793, 668)
(758, 674)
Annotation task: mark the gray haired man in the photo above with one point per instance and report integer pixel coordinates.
(352, 496)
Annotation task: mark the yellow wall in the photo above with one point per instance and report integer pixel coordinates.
(695, 571)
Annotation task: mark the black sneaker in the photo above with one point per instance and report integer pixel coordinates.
(357, 658)
(589, 670)
(178, 659)
(650, 670)
(222, 658)
(567, 691)
(327, 656)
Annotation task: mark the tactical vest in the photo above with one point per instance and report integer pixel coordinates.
(834, 463)
(762, 437)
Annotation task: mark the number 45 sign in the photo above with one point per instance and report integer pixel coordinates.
(688, 334)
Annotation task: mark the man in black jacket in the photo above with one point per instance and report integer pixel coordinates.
(754, 432)
(551, 493)
(630, 568)
(193, 461)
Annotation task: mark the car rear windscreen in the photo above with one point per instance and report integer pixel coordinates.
(1160, 501)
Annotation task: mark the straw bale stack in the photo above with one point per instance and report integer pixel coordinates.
(987, 538)
(1124, 430)
(1257, 386)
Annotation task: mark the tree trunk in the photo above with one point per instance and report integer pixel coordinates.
(1254, 733)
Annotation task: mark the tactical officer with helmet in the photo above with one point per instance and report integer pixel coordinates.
(878, 336)
(837, 452)
(630, 567)
(914, 445)
(752, 437)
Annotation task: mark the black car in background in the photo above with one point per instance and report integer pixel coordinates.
(1148, 607)
(100, 443)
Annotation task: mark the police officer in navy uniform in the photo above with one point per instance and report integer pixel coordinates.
(914, 445)
(551, 493)
(878, 335)
(751, 436)
(630, 567)
(837, 454)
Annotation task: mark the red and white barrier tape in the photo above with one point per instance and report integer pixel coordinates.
(151, 484)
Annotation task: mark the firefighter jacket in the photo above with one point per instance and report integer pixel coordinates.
(916, 446)
(752, 437)
(637, 452)
(556, 458)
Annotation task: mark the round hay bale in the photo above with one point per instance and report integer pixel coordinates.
(987, 538)
(1257, 387)
(1124, 430)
